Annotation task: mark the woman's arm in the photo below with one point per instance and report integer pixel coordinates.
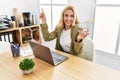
(78, 43)
(44, 28)
(78, 47)
(46, 35)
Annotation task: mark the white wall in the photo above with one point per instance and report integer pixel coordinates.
(85, 8)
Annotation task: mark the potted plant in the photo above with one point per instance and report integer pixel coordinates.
(25, 39)
(26, 65)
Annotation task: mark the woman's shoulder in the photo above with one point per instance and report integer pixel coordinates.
(76, 26)
(59, 28)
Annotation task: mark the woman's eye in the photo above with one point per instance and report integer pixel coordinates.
(66, 15)
(72, 16)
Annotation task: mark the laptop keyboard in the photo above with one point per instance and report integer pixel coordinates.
(59, 56)
(56, 60)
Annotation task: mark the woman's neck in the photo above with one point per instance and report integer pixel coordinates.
(67, 27)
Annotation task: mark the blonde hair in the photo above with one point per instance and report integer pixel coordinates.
(75, 21)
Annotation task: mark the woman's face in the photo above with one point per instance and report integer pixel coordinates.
(68, 18)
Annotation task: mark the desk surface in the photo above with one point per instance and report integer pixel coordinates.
(72, 69)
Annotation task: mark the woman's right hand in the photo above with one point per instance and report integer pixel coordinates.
(42, 16)
(82, 34)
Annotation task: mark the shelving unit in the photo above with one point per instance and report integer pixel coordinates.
(22, 32)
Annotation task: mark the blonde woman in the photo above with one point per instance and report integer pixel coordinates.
(69, 36)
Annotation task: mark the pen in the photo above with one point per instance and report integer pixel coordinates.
(15, 46)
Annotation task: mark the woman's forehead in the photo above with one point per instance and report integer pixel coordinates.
(68, 11)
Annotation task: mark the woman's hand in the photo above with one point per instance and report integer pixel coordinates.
(42, 16)
(82, 34)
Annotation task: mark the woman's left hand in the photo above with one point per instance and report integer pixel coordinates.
(82, 34)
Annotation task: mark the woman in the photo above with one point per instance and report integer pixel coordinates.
(69, 36)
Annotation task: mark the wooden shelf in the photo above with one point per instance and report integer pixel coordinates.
(17, 28)
(19, 33)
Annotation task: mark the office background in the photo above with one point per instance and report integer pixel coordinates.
(85, 9)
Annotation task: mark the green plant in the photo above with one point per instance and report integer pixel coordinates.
(25, 39)
(26, 64)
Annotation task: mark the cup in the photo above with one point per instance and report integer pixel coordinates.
(86, 25)
(15, 50)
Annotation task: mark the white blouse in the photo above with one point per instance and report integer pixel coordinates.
(65, 40)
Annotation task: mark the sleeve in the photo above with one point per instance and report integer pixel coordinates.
(47, 36)
(78, 47)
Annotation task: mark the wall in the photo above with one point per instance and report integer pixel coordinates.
(85, 8)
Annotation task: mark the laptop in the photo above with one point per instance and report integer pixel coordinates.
(44, 53)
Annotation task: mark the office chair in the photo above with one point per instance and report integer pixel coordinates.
(4, 47)
(88, 49)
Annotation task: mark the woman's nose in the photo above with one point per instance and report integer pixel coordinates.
(69, 18)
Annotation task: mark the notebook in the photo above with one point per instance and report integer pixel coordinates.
(44, 53)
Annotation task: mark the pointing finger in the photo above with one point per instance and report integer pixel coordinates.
(42, 10)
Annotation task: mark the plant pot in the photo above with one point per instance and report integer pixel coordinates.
(26, 65)
(27, 71)
(25, 42)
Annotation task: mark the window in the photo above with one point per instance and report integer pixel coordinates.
(106, 26)
(52, 9)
